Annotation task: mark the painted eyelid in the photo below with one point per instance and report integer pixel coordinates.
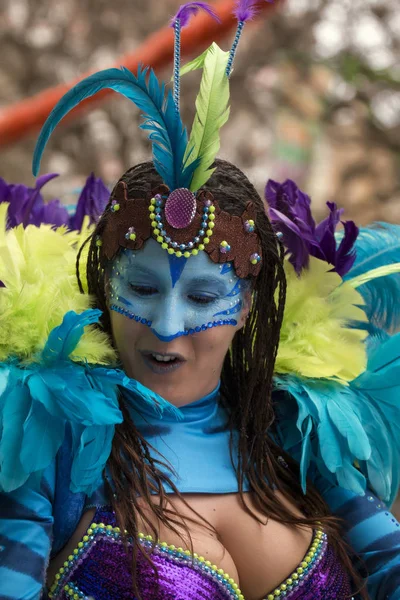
(203, 293)
(149, 288)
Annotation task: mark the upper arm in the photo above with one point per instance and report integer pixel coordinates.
(26, 528)
(374, 534)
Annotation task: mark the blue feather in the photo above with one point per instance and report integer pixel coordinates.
(16, 405)
(340, 426)
(37, 402)
(64, 338)
(161, 120)
(377, 246)
(45, 434)
(91, 448)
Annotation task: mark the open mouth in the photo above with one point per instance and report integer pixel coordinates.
(162, 363)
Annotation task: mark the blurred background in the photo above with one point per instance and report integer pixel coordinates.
(315, 96)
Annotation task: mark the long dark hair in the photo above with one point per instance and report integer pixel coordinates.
(246, 391)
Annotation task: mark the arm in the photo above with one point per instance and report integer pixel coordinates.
(26, 527)
(373, 533)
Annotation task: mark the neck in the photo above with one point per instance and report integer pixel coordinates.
(193, 442)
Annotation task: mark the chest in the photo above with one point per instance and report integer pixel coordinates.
(259, 554)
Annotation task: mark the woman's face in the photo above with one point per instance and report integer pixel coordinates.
(173, 320)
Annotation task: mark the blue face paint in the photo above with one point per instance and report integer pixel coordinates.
(145, 287)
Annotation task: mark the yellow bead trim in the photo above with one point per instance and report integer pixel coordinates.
(187, 253)
(315, 545)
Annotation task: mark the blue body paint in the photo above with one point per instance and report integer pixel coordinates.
(174, 297)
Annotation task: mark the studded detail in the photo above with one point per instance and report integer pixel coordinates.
(180, 208)
(199, 242)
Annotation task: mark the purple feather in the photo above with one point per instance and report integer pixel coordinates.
(25, 204)
(290, 214)
(53, 213)
(245, 10)
(346, 254)
(92, 202)
(186, 11)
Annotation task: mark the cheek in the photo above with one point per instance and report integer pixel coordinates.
(212, 346)
(125, 332)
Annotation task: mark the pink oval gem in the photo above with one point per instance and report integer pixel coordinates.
(180, 208)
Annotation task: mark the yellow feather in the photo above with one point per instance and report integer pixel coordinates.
(37, 266)
(315, 340)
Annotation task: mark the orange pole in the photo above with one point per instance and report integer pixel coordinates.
(157, 50)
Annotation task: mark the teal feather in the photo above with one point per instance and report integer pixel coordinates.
(378, 246)
(16, 405)
(350, 478)
(161, 119)
(45, 434)
(351, 425)
(37, 402)
(91, 448)
(63, 340)
(348, 424)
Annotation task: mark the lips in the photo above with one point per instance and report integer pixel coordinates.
(162, 362)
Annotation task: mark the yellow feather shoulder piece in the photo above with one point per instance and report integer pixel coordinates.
(316, 340)
(37, 267)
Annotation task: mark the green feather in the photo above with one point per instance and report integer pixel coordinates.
(356, 282)
(196, 63)
(212, 113)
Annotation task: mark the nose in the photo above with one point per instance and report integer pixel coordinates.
(169, 321)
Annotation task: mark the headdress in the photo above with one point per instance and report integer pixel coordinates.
(180, 216)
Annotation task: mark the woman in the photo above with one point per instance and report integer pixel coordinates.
(181, 448)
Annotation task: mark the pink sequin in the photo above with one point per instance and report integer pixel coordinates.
(180, 208)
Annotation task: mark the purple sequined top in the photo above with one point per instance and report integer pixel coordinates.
(99, 569)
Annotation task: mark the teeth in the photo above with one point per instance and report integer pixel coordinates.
(161, 358)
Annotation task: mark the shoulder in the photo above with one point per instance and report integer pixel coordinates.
(53, 403)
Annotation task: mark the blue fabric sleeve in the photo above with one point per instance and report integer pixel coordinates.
(26, 530)
(374, 534)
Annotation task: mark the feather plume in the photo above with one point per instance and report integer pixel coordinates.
(212, 113)
(196, 63)
(161, 120)
(378, 246)
(245, 10)
(315, 339)
(192, 8)
(38, 400)
(37, 266)
(338, 426)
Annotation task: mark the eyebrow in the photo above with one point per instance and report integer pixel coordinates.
(196, 280)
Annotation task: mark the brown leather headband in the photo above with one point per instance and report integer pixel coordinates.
(233, 239)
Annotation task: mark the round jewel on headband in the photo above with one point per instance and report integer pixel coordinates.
(115, 206)
(180, 208)
(130, 234)
(224, 247)
(255, 258)
(249, 226)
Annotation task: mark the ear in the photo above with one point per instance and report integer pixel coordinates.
(247, 303)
